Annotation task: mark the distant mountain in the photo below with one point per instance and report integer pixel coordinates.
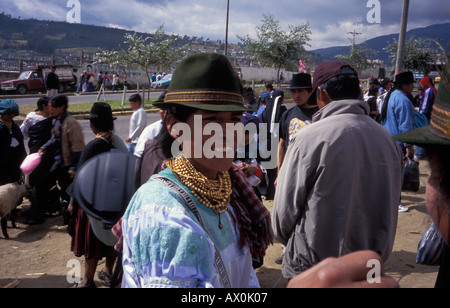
(46, 36)
(440, 32)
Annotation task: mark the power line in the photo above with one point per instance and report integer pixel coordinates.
(213, 15)
(354, 33)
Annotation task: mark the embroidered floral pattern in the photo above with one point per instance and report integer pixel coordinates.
(171, 245)
(165, 282)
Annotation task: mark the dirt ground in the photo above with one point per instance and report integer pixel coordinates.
(38, 256)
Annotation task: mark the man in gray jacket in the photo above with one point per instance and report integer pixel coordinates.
(340, 182)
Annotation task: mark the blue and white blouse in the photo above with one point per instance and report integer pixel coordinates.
(166, 247)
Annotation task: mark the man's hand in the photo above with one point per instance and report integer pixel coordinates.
(349, 271)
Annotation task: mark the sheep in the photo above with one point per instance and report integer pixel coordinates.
(11, 195)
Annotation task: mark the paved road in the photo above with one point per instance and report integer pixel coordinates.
(32, 99)
(121, 126)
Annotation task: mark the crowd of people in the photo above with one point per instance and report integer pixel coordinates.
(199, 221)
(87, 80)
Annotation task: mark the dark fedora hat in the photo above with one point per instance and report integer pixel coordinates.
(205, 81)
(301, 81)
(101, 116)
(404, 77)
(437, 133)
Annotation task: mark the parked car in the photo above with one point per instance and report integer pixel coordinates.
(33, 80)
(163, 83)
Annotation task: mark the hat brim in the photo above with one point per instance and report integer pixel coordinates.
(102, 232)
(205, 106)
(422, 137)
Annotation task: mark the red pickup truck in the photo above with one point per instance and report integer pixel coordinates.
(33, 80)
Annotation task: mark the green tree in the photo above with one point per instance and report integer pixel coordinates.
(359, 57)
(417, 56)
(156, 52)
(276, 48)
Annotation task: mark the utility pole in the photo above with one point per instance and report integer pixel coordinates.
(354, 33)
(226, 31)
(402, 37)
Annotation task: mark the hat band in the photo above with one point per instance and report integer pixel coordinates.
(204, 96)
(440, 120)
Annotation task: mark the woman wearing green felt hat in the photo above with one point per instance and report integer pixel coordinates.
(198, 223)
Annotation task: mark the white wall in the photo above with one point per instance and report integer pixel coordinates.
(263, 74)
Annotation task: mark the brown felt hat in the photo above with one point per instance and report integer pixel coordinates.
(328, 70)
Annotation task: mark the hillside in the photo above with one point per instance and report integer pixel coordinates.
(441, 32)
(46, 36)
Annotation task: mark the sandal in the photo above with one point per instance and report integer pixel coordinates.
(105, 278)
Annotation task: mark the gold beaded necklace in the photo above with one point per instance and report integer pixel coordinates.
(215, 194)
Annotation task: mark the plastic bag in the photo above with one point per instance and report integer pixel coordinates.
(411, 175)
(30, 163)
(431, 247)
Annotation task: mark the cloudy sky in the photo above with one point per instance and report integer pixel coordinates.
(330, 21)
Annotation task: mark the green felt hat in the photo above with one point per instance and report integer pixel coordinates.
(205, 81)
(437, 133)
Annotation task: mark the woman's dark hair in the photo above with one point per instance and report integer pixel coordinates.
(102, 124)
(164, 140)
(344, 86)
(312, 100)
(41, 102)
(60, 101)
